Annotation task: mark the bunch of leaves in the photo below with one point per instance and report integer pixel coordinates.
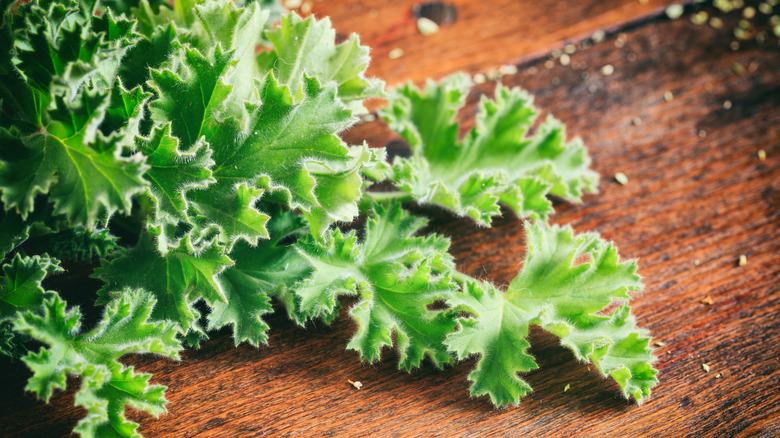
(208, 139)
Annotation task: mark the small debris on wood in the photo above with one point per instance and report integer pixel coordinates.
(508, 70)
(742, 260)
(598, 36)
(660, 344)
(702, 133)
(565, 59)
(668, 96)
(705, 367)
(636, 121)
(570, 49)
(479, 78)
(699, 17)
(621, 178)
(716, 23)
(696, 262)
(727, 104)
(549, 64)
(761, 155)
(607, 70)
(738, 68)
(396, 53)
(566, 388)
(707, 300)
(675, 11)
(718, 376)
(426, 26)
(356, 384)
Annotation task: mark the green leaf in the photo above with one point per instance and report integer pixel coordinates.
(151, 52)
(339, 187)
(283, 140)
(124, 114)
(308, 47)
(71, 49)
(105, 401)
(20, 286)
(83, 172)
(13, 231)
(232, 209)
(80, 244)
(190, 97)
(185, 274)
(566, 283)
(497, 332)
(106, 385)
(497, 161)
(173, 172)
(237, 30)
(397, 277)
(259, 272)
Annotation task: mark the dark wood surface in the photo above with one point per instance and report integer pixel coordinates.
(697, 198)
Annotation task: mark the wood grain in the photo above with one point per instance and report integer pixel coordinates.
(697, 198)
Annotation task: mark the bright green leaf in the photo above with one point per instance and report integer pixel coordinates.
(20, 286)
(308, 47)
(496, 161)
(185, 274)
(397, 277)
(106, 385)
(565, 283)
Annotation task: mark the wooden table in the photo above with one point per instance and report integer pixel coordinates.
(683, 115)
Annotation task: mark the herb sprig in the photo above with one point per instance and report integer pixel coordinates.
(209, 138)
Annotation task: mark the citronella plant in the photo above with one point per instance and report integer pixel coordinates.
(206, 134)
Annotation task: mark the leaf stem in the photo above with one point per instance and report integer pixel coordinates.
(384, 196)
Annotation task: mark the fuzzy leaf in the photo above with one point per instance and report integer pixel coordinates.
(563, 297)
(259, 272)
(308, 46)
(191, 96)
(173, 172)
(124, 329)
(396, 275)
(185, 274)
(237, 30)
(283, 140)
(20, 286)
(105, 401)
(496, 161)
(71, 49)
(83, 172)
(106, 385)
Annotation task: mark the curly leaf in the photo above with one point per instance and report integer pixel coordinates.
(71, 49)
(308, 46)
(397, 277)
(564, 297)
(105, 401)
(259, 272)
(185, 274)
(106, 385)
(497, 161)
(20, 286)
(173, 172)
(83, 172)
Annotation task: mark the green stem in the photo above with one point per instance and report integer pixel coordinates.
(461, 277)
(384, 196)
